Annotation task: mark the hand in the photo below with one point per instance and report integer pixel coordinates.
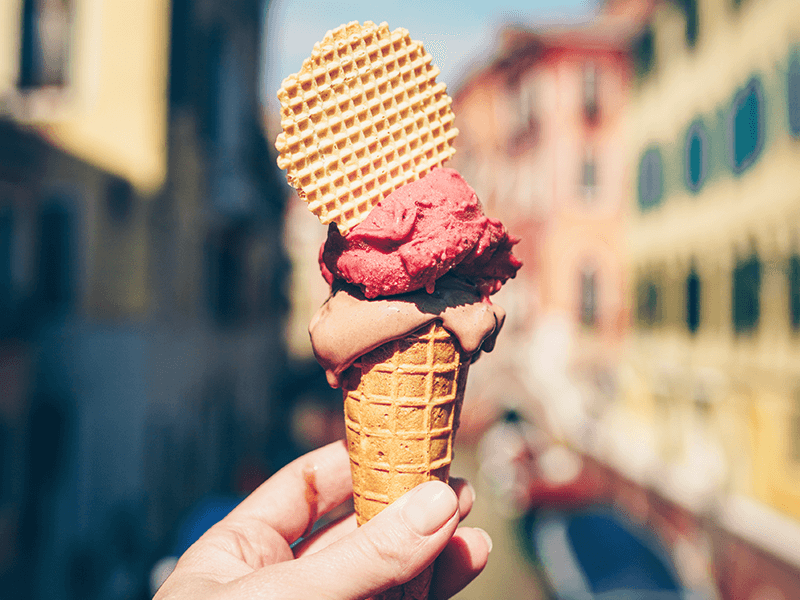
(249, 553)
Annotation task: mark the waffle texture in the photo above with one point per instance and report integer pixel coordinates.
(402, 402)
(363, 117)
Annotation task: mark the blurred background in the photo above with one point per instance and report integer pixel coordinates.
(638, 425)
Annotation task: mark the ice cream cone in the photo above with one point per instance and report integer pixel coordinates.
(402, 403)
(363, 121)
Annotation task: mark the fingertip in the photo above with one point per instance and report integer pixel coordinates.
(477, 544)
(466, 495)
(393, 547)
(462, 560)
(486, 538)
(429, 507)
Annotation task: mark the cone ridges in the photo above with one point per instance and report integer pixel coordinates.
(402, 403)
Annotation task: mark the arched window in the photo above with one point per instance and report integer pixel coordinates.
(589, 173)
(6, 452)
(54, 285)
(794, 428)
(747, 126)
(793, 93)
(7, 283)
(746, 297)
(648, 301)
(591, 109)
(695, 156)
(651, 178)
(692, 21)
(794, 291)
(120, 201)
(588, 288)
(693, 300)
(644, 52)
(226, 275)
(45, 42)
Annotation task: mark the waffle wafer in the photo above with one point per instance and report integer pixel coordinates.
(363, 117)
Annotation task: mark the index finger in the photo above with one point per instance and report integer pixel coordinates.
(290, 501)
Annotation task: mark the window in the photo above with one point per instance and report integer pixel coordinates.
(590, 88)
(648, 302)
(746, 294)
(589, 173)
(794, 291)
(693, 300)
(211, 49)
(695, 153)
(119, 201)
(588, 286)
(651, 183)
(182, 44)
(47, 436)
(18, 246)
(226, 276)
(692, 22)
(746, 126)
(6, 262)
(54, 273)
(644, 52)
(522, 115)
(793, 94)
(527, 106)
(5, 462)
(794, 428)
(44, 52)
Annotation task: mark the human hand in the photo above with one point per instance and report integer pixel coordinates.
(249, 554)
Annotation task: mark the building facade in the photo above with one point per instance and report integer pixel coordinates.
(141, 266)
(539, 141)
(709, 400)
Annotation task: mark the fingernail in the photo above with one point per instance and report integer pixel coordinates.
(485, 537)
(429, 507)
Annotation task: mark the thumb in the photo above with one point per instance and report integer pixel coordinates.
(389, 550)
(394, 547)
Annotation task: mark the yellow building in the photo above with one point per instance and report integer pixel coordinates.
(88, 80)
(141, 296)
(711, 384)
(91, 76)
(83, 122)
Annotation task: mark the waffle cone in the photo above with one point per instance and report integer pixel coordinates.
(402, 403)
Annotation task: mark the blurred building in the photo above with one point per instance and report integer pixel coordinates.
(539, 141)
(543, 139)
(708, 430)
(140, 282)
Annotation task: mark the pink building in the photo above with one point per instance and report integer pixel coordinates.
(540, 142)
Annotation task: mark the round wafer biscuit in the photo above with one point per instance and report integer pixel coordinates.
(363, 117)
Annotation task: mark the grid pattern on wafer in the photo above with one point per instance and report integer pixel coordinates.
(401, 412)
(362, 117)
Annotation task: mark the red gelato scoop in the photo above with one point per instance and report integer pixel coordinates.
(421, 231)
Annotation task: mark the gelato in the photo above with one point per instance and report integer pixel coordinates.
(418, 233)
(348, 325)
